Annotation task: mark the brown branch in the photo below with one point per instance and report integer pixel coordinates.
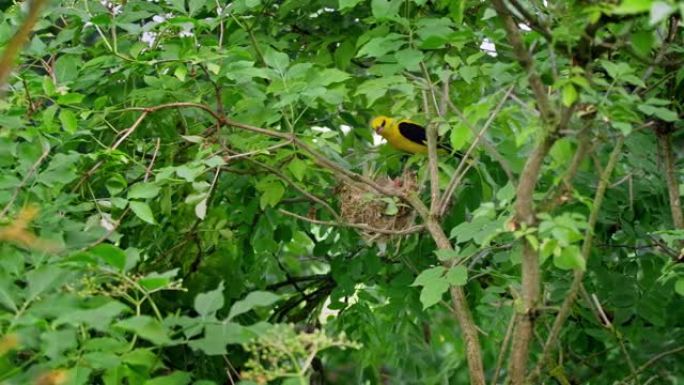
(18, 40)
(556, 195)
(430, 218)
(320, 159)
(360, 226)
(464, 165)
(532, 20)
(564, 312)
(461, 307)
(665, 143)
(29, 174)
(523, 56)
(148, 170)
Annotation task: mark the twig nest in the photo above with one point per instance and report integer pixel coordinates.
(360, 204)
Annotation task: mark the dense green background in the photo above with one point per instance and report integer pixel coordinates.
(164, 257)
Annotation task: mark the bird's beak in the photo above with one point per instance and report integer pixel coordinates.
(379, 130)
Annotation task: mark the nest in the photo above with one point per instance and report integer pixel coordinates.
(360, 204)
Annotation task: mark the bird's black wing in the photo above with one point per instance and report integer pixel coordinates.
(413, 132)
(416, 133)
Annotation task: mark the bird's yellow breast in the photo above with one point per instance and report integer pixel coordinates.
(398, 141)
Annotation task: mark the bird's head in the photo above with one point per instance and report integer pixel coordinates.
(379, 123)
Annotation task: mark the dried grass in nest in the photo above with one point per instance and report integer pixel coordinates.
(362, 205)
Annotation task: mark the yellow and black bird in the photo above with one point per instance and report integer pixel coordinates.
(403, 134)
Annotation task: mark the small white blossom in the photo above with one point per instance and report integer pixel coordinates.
(148, 37)
(187, 30)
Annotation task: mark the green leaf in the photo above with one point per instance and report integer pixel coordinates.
(330, 76)
(468, 73)
(42, 279)
(679, 286)
(143, 211)
(155, 281)
(110, 254)
(143, 191)
(344, 4)
(253, 299)
(207, 304)
(569, 94)
(630, 7)
(624, 127)
(180, 72)
(66, 68)
(659, 112)
(272, 194)
(409, 58)
(217, 336)
(429, 275)
(98, 318)
(385, 9)
(457, 275)
(70, 98)
(68, 120)
(298, 168)
(432, 292)
(56, 342)
(642, 41)
(176, 378)
(381, 46)
(276, 60)
(570, 258)
(189, 172)
(147, 328)
(446, 255)
(116, 184)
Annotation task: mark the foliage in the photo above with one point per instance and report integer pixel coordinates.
(170, 193)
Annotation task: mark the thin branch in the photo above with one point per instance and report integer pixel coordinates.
(532, 20)
(17, 41)
(464, 165)
(665, 143)
(504, 349)
(653, 360)
(148, 170)
(360, 226)
(564, 312)
(554, 196)
(523, 56)
(29, 174)
(256, 152)
(289, 181)
(489, 147)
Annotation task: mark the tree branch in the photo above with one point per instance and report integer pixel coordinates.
(489, 147)
(564, 312)
(17, 41)
(360, 226)
(665, 143)
(513, 34)
(464, 165)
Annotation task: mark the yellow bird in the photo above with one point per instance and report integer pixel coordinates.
(403, 134)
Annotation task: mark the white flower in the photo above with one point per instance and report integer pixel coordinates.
(158, 18)
(148, 37)
(187, 30)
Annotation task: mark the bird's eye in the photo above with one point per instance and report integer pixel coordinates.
(382, 125)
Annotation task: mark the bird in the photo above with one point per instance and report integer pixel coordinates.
(403, 134)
